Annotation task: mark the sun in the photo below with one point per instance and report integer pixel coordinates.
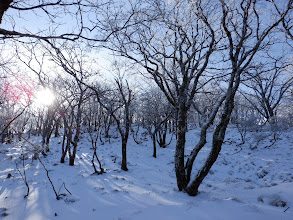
(45, 97)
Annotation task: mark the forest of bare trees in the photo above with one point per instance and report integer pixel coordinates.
(175, 65)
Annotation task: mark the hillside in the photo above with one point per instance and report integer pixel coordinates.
(248, 181)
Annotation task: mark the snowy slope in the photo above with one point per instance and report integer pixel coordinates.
(243, 184)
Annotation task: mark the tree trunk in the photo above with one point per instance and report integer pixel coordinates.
(71, 160)
(162, 135)
(75, 142)
(218, 139)
(181, 129)
(154, 145)
(67, 149)
(4, 5)
(4, 135)
(62, 160)
(192, 189)
(124, 158)
(57, 128)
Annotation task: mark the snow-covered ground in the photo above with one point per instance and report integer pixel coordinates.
(247, 182)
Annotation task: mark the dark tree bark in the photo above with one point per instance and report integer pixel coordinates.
(153, 137)
(175, 68)
(162, 136)
(239, 63)
(124, 154)
(179, 69)
(78, 121)
(181, 130)
(4, 5)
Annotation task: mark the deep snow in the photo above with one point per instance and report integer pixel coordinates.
(243, 183)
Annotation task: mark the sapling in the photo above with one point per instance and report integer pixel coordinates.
(23, 175)
(94, 140)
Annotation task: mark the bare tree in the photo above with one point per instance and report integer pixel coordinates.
(94, 140)
(270, 85)
(73, 66)
(175, 48)
(15, 98)
(245, 38)
(48, 128)
(118, 104)
(74, 93)
(124, 119)
(155, 112)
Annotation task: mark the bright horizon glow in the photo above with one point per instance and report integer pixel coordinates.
(45, 97)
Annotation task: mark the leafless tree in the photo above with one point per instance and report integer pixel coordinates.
(245, 37)
(94, 140)
(124, 120)
(175, 48)
(270, 85)
(154, 112)
(15, 98)
(74, 67)
(119, 106)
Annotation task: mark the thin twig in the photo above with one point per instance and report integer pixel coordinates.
(63, 184)
(237, 151)
(23, 177)
(57, 196)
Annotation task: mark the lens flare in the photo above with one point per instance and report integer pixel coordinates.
(45, 97)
